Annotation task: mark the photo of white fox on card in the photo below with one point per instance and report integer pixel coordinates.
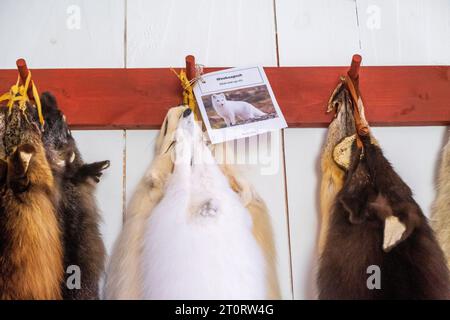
(237, 103)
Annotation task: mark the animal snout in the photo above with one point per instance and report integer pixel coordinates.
(187, 112)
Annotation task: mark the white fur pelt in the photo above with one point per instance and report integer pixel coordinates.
(123, 275)
(199, 241)
(441, 207)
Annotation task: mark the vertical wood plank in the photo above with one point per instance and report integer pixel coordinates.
(404, 32)
(62, 34)
(140, 147)
(106, 145)
(316, 33)
(218, 33)
(302, 152)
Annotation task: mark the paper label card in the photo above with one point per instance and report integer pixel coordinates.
(237, 103)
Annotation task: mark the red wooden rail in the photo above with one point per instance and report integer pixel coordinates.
(139, 98)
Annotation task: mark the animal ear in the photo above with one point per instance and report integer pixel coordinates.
(48, 101)
(397, 222)
(19, 162)
(394, 231)
(21, 159)
(353, 206)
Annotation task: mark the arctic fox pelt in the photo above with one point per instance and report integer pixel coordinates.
(123, 280)
(230, 110)
(198, 241)
(441, 206)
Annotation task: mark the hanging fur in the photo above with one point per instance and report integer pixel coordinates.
(198, 240)
(343, 125)
(376, 222)
(441, 207)
(124, 279)
(124, 276)
(262, 226)
(83, 244)
(31, 258)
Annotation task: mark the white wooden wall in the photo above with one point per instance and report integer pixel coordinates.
(154, 33)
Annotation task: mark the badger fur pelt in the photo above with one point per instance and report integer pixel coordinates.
(31, 254)
(198, 242)
(376, 222)
(83, 244)
(441, 206)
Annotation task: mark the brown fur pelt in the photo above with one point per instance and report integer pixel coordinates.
(332, 175)
(441, 206)
(77, 208)
(413, 267)
(30, 238)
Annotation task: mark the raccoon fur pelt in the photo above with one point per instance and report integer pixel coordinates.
(376, 222)
(31, 254)
(83, 244)
(441, 206)
(198, 241)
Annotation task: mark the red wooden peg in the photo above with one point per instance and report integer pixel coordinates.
(353, 72)
(190, 67)
(23, 72)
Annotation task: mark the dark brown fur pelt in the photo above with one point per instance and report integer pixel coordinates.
(413, 269)
(31, 258)
(83, 244)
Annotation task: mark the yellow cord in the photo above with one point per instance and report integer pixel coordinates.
(18, 94)
(188, 93)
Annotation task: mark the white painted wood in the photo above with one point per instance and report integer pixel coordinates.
(63, 33)
(316, 33)
(302, 150)
(414, 153)
(101, 145)
(140, 146)
(260, 160)
(218, 33)
(404, 32)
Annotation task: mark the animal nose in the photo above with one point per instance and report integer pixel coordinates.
(187, 112)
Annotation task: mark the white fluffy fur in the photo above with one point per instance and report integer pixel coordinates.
(232, 110)
(124, 276)
(198, 241)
